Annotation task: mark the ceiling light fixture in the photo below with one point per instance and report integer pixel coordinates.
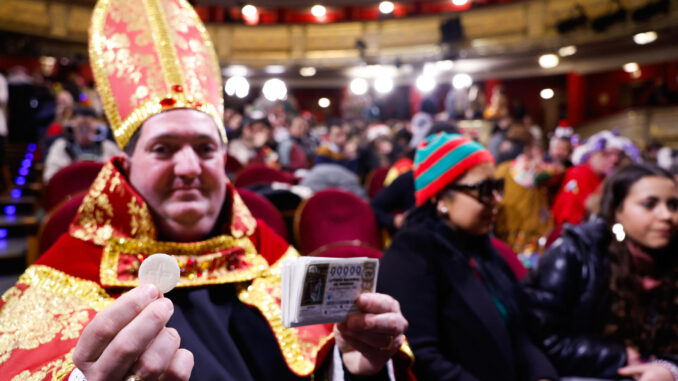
(631, 67)
(548, 61)
(358, 86)
(318, 11)
(324, 102)
(386, 7)
(308, 71)
(383, 85)
(645, 38)
(566, 51)
(425, 83)
(546, 93)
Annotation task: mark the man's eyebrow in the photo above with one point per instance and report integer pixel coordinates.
(184, 137)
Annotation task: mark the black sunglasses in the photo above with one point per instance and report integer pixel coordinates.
(483, 191)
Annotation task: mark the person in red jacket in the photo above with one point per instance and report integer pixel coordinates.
(595, 159)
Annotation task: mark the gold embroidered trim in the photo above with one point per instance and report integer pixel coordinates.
(58, 369)
(203, 252)
(256, 294)
(62, 284)
(96, 54)
(164, 45)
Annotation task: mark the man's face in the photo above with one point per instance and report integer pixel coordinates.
(337, 136)
(298, 127)
(559, 150)
(261, 134)
(605, 161)
(84, 127)
(178, 168)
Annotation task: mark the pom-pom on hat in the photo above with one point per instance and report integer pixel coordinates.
(443, 158)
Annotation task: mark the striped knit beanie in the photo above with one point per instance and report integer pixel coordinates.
(443, 158)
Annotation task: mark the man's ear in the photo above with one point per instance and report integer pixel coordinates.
(126, 163)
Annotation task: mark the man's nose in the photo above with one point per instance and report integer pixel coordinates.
(187, 163)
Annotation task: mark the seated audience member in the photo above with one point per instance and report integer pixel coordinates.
(391, 204)
(254, 146)
(80, 312)
(462, 301)
(604, 299)
(324, 176)
(298, 150)
(84, 138)
(338, 149)
(524, 215)
(595, 159)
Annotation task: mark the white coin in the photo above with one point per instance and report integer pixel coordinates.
(161, 270)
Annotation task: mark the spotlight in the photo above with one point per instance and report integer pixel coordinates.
(249, 11)
(645, 38)
(548, 61)
(631, 67)
(566, 51)
(461, 81)
(460, 3)
(238, 86)
(546, 93)
(29, 156)
(308, 71)
(15, 193)
(274, 89)
(324, 102)
(32, 147)
(26, 163)
(383, 85)
(425, 83)
(358, 86)
(20, 180)
(318, 11)
(23, 171)
(3, 233)
(601, 23)
(386, 7)
(274, 69)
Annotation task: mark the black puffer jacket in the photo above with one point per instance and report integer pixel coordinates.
(569, 301)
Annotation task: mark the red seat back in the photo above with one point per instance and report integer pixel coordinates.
(261, 174)
(264, 210)
(334, 215)
(346, 249)
(57, 221)
(375, 181)
(70, 180)
(510, 257)
(232, 164)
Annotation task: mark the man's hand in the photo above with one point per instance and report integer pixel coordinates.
(369, 339)
(130, 338)
(647, 372)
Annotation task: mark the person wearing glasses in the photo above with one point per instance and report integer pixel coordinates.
(462, 301)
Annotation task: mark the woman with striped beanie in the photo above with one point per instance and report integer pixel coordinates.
(460, 297)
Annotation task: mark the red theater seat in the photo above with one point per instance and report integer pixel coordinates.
(346, 249)
(264, 210)
(57, 221)
(375, 181)
(70, 180)
(261, 174)
(334, 215)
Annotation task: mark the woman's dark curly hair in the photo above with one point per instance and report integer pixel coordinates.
(647, 320)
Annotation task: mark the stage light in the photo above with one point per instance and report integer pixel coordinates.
(383, 85)
(10, 210)
(308, 71)
(358, 86)
(460, 3)
(32, 147)
(274, 89)
(23, 171)
(20, 180)
(3, 233)
(249, 11)
(386, 7)
(566, 51)
(274, 69)
(324, 102)
(461, 81)
(631, 67)
(425, 83)
(645, 38)
(25, 163)
(29, 156)
(236, 71)
(548, 61)
(238, 86)
(318, 11)
(546, 93)
(15, 193)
